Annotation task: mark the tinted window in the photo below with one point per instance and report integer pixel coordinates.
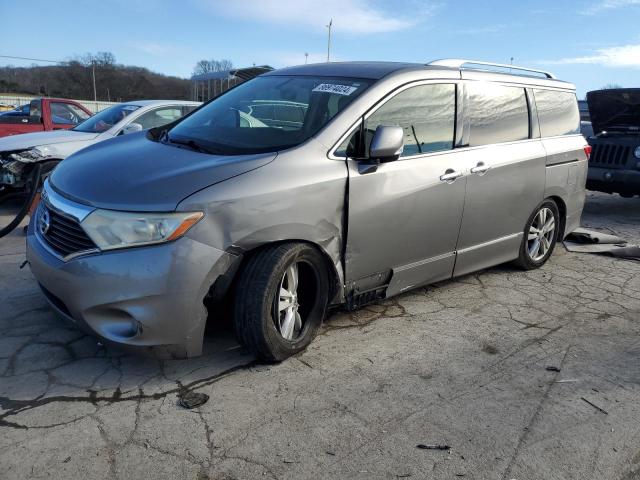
(427, 115)
(557, 112)
(497, 114)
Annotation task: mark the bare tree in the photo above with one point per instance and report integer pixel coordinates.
(208, 66)
(611, 86)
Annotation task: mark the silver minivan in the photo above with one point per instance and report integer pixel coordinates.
(305, 188)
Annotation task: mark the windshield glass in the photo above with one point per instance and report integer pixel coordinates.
(267, 114)
(105, 119)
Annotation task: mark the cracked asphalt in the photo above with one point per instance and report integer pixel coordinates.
(461, 363)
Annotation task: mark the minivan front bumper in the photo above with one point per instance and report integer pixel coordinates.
(143, 297)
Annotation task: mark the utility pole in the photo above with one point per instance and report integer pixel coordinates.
(329, 40)
(93, 68)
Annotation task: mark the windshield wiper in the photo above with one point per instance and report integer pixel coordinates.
(192, 144)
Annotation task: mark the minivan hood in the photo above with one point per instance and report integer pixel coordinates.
(36, 139)
(615, 109)
(134, 173)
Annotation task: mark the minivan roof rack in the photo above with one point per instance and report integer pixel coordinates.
(460, 63)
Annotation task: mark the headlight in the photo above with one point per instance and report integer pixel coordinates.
(636, 152)
(110, 229)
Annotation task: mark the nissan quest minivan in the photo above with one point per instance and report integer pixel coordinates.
(306, 188)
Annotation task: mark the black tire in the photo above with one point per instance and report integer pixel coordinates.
(255, 303)
(34, 186)
(525, 259)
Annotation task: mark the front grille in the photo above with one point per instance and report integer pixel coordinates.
(610, 155)
(62, 233)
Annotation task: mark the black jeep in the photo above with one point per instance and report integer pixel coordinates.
(614, 165)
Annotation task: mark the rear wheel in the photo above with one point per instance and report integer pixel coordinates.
(280, 300)
(540, 236)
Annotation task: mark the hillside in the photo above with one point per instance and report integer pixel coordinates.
(73, 79)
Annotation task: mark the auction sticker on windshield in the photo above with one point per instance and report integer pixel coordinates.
(333, 88)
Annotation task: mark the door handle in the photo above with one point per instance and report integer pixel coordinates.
(481, 168)
(450, 175)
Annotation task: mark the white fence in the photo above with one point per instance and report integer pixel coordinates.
(15, 101)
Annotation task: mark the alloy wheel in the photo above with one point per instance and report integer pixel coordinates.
(540, 235)
(289, 321)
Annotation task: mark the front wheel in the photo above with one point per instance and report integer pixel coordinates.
(280, 300)
(540, 236)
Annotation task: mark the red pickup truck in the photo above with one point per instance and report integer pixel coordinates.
(43, 114)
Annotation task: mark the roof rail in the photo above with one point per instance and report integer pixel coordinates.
(459, 63)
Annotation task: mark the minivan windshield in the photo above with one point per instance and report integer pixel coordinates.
(104, 120)
(267, 114)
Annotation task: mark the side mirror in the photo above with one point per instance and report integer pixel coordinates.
(387, 143)
(132, 128)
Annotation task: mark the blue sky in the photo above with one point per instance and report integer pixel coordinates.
(588, 42)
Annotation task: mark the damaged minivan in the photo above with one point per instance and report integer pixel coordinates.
(309, 187)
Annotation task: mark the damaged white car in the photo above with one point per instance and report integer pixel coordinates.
(25, 160)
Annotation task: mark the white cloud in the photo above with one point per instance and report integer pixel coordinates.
(622, 56)
(355, 16)
(609, 5)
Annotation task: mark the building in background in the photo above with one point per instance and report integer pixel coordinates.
(208, 85)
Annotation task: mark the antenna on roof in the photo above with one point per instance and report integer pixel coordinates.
(329, 40)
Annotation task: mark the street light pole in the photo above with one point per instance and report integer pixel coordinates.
(329, 40)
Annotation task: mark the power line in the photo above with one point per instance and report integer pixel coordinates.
(32, 59)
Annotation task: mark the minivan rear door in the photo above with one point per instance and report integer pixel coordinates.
(506, 174)
(404, 216)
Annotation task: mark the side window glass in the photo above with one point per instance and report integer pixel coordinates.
(496, 113)
(349, 147)
(557, 112)
(61, 114)
(425, 112)
(159, 117)
(35, 108)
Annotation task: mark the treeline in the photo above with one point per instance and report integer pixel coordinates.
(74, 79)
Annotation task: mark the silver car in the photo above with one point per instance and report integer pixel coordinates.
(394, 176)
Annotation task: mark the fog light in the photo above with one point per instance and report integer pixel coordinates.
(608, 176)
(636, 152)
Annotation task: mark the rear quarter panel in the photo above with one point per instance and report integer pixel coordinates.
(566, 175)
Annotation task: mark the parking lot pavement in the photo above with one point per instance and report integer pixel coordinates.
(462, 363)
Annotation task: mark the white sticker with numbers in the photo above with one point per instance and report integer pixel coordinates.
(333, 88)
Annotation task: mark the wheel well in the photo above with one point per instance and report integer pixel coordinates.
(562, 209)
(334, 278)
(225, 284)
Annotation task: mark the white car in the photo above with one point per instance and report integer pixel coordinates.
(56, 145)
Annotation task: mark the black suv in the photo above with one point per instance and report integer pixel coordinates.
(614, 165)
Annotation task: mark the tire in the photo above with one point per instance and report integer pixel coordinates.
(29, 196)
(530, 257)
(268, 320)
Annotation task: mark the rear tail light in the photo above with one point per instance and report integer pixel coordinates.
(587, 151)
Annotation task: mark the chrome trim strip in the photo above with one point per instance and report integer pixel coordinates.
(490, 242)
(419, 263)
(63, 205)
(66, 208)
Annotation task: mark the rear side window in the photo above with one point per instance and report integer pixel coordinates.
(558, 112)
(496, 113)
(425, 112)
